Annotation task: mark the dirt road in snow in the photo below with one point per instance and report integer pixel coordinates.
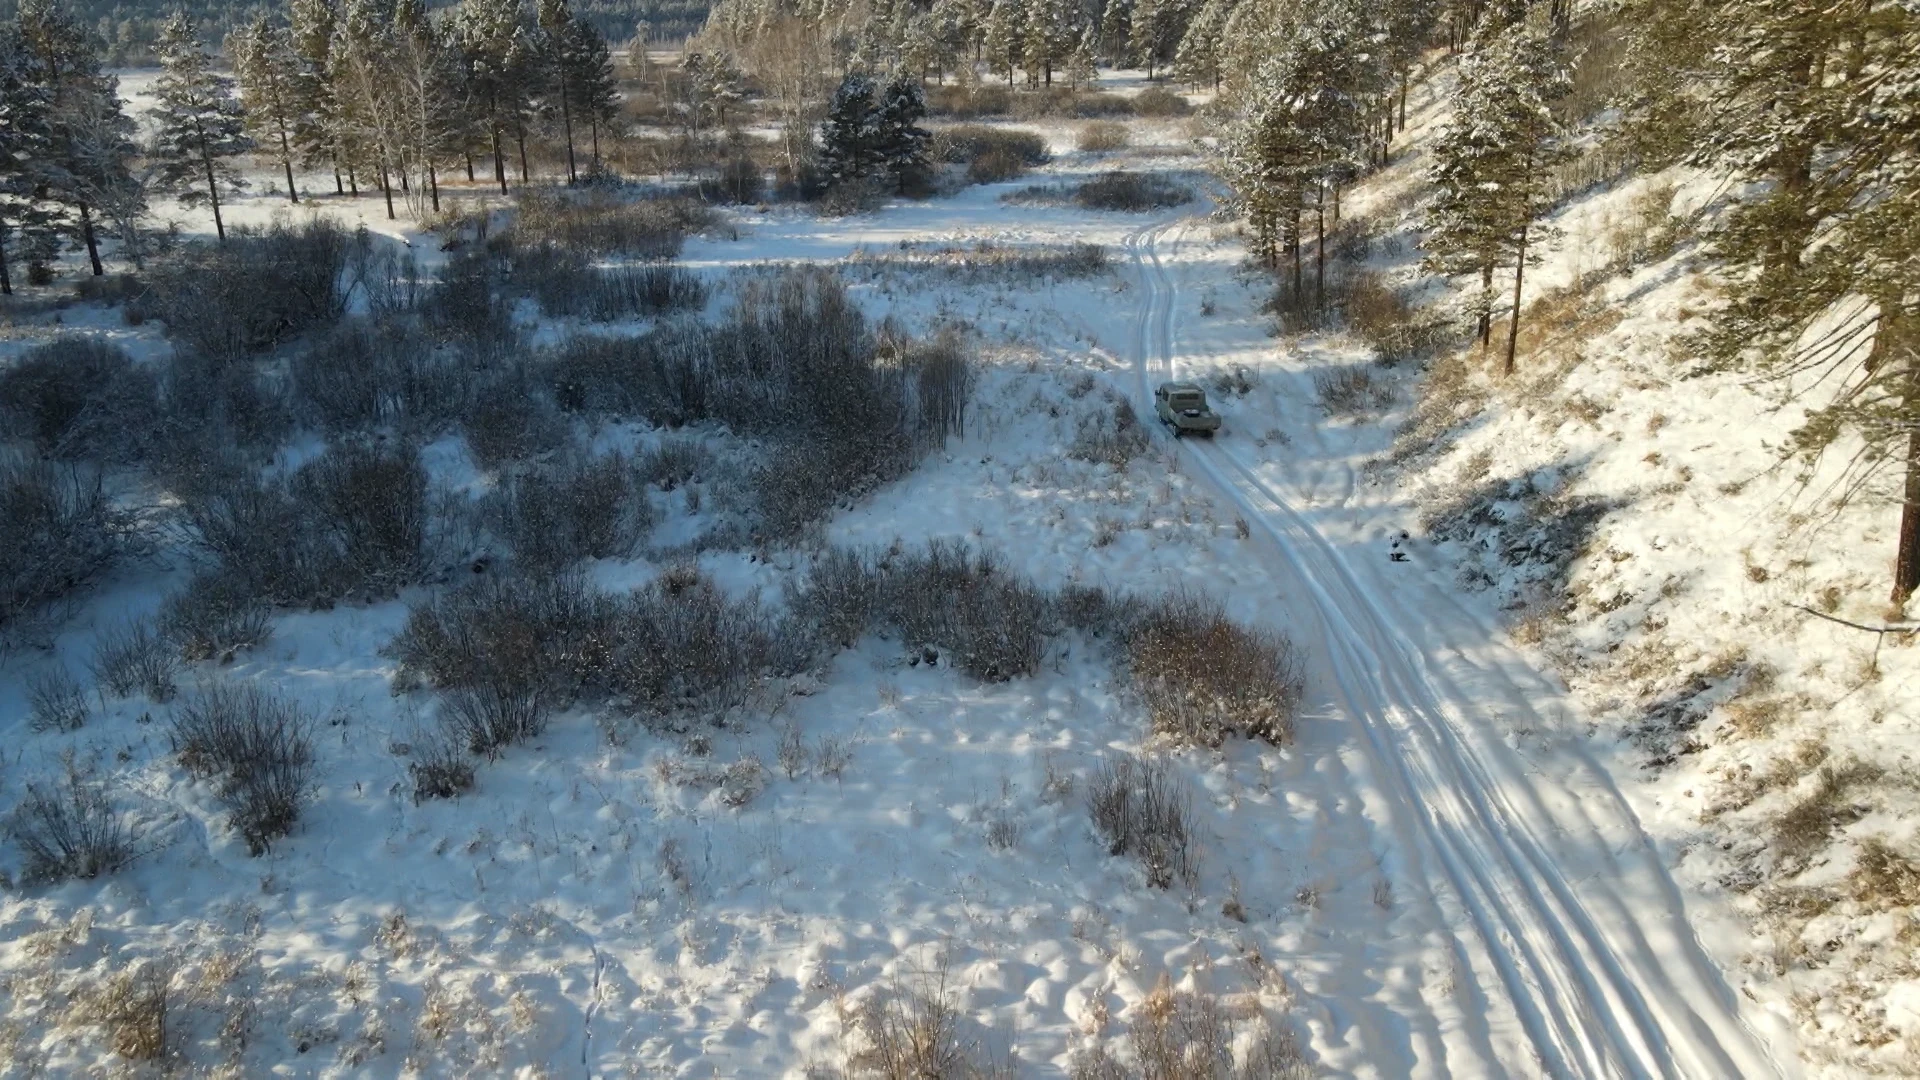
(1522, 873)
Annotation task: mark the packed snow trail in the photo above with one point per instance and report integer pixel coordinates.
(1558, 904)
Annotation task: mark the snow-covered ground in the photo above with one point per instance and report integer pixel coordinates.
(1460, 868)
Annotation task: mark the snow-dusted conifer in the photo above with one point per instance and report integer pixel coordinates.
(202, 126)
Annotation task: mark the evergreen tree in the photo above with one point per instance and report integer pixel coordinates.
(1197, 60)
(1492, 162)
(1002, 39)
(366, 119)
(91, 150)
(1083, 72)
(25, 140)
(1036, 42)
(201, 124)
(900, 143)
(1147, 29)
(313, 23)
(428, 102)
(555, 39)
(491, 38)
(595, 90)
(1822, 115)
(1116, 32)
(849, 149)
(263, 57)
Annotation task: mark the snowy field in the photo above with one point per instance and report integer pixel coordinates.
(1461, 867)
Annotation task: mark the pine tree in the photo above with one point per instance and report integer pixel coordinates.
(366, 119)
(428, 101)
(1083, 72)
(1819, 109)
(313, 23)
(1116, 32)
(1036, 42)
(849, 149)
(91, 150)
(555, 38)
(900, 143)
(263, 57)
(1197, 60)
(1002, 38)
(1147, 28)
(201, 124)
(491, 38)
(25, 140)
(596, 92)
(1492, 162)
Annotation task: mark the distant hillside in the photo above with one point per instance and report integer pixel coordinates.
(130, 27)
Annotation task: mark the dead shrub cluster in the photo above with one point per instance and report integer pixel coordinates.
(564, 282)
(555, 514)
(990, 154)
(1353, 391)
(992, 624)
(79, 398)
(1132, 192)
(914, 1032)
(605, 223)
(986, 261)
(61, 533)
(68, 828)
(1103, 136)
(253, 291)
(1190, 1035)
(1111, 436)
(351, 523)
(1143, 811)
(1205, 677)
(257, 749)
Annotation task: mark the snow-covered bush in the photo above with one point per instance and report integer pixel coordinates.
(78, 398)
(367, 373)
(440, 768)
(56, 701)
(510, 416)
(563, 281)
(1102, 136)
(60, 534)
(671, 463)
(1158, 101)
(135, 657)
(578, 507)
(992, 623)
(545, 639)
(1111, 436)
(604, 223)
(1352, 391)
(252, 291)
(256, 748)
(916, 1032)
(1132, 192)
(1142, 810)
(1205, 677)
(1190, 1035)
(68, 828)
(215, 616)
(686, 646)
(991, 154)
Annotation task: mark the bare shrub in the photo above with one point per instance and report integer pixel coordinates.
(986, 261)
(78, 397)
(686, 646)
(1132, 192)
(1141, 810)
(1190, 1035)
(599, 222)
(1380, 316)
(440, 768)
(254, 290)
(991, 154)
(134, 657)
(368, 373)
(68, 829)
(465, 307)
(917, 1033)
(1103, 136)
(967, 102)
(131, 1006)
(510, 416)
(843, 596)
(1884, 879)
(255, 747)
(1113, 436)
(56, 701)
(544, 640)
(1158, 101)
(791, 752)
(625, 292)
(1205, 677)
(576, 508)
(1352, 391)
(60, 534)
(215, 617)
(369, 499)
(494, 715)
(672, 463)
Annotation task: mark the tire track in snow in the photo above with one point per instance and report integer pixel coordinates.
(1618, 988)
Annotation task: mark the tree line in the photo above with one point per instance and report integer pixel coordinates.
(1812, 110)
(377, 92)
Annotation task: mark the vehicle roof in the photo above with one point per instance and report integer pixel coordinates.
(1182, 388)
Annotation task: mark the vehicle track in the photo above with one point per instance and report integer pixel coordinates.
(1603, 973)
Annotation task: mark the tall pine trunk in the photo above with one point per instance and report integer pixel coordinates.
(286, 159)
(1906, 561)
(93, 246)
(386, 188)
(213, 193)
(1486, 307)
(433, 187)
(520, 136)
(6, 279)
(1519, 277)
(339, 185)
(1320, 249)
(566, 123)
(469, 157)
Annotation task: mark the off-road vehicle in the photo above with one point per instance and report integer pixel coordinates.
(1183, 407)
